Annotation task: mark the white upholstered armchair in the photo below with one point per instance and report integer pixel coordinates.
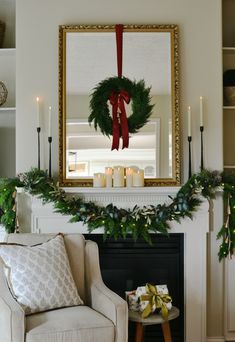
(103, 318)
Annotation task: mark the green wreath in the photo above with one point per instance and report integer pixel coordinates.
(141, 107)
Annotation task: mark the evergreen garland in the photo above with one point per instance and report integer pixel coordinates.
(141, 107)
(118, 222)
(7, 202)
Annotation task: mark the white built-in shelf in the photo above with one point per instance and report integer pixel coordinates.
(7, 109)
(228, 107)
(229, 166)
(229, 49)
(7, 52)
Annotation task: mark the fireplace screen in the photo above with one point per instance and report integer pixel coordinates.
(126, 264)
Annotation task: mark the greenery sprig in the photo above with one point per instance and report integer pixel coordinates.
(119, 222)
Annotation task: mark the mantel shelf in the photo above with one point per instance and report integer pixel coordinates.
(124, 190)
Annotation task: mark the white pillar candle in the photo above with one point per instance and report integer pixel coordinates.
(189, 122)
(49, 122)
(118, 176)
(201, 111)
(129, 177)
(109, 177)
(138, 178)
(38, 112)
(99, 180)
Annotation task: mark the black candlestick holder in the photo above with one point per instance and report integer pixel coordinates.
(49, 168)
(38, 130)
(189, 157)
(202, 164)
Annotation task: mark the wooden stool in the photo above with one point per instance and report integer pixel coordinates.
(151, 320)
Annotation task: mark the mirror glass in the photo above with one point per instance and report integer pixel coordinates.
(87, 56)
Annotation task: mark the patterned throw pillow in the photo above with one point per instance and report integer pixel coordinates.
(39, 276)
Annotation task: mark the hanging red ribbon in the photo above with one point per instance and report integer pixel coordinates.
(119, 35)
(119, 118)
(120, 122)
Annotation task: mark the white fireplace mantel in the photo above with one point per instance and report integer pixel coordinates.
(38, 218)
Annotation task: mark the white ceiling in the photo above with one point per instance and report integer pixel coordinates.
(91, 57)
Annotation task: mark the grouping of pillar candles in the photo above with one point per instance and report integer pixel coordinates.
(118, 176)
(38, 116)
(190, 116)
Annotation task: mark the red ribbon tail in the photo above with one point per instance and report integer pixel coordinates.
(124, 125)
(115, 144)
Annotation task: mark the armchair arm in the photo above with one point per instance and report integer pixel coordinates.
(101, 298)
(12, 316)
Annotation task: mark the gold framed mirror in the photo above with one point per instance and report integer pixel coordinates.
(87, 55)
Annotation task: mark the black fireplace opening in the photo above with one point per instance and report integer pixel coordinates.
(126, 264)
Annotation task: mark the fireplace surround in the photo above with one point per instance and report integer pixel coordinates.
(41, 219)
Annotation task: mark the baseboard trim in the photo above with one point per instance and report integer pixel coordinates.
(215, 339)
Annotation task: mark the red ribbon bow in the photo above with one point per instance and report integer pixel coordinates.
(120, 123)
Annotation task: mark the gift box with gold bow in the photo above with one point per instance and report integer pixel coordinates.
(149, 299)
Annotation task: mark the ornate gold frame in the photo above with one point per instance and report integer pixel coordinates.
(173, 30)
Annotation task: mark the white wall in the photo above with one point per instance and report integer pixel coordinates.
(200, 74)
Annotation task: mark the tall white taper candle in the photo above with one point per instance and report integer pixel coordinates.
(201, 111)
(49, 122)
(189, 122)
(38, 113)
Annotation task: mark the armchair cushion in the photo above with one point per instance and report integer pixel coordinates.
(74, 324)
(39, 276)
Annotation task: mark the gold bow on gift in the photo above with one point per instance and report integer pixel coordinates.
(155, 298)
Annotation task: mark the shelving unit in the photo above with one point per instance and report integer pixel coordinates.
(229, 159)
(228, 107)
(228, 50)
(7, 109)
(7, 76)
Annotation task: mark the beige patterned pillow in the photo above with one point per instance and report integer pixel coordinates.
(39, 276)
